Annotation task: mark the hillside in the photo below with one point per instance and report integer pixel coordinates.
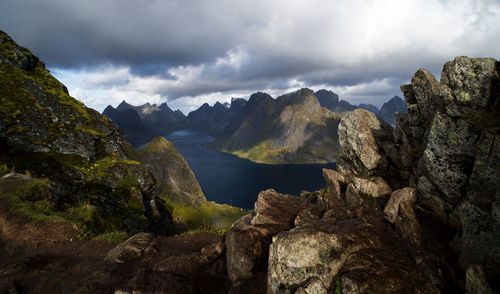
(171, 171)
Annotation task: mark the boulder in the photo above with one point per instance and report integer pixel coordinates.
(373, 186)
(367, 144)
(397, 197)
(248, 240)
(353, 196)
(131, 248)
(334, 181)
(344, 254)
(298, 255)
(407, 224)
(276, 208)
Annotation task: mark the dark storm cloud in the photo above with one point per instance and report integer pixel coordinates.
(165, 50)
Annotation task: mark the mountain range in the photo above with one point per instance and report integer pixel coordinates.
(140, 124)
(298, 127)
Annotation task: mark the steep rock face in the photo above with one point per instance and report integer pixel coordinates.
(388, 110)
(450, 142)
(170, 170)
(47, 132)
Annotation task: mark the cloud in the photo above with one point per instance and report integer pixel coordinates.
(190, 50)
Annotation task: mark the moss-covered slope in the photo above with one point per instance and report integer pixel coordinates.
(45, 131)
(176, 179)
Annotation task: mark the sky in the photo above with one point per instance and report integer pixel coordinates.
(188, 52)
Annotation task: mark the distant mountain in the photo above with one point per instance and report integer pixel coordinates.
(331, 101)
(327, 98)
(369, 107)
(140, 124)
(388, 110)
(219, 120)
(293, 128)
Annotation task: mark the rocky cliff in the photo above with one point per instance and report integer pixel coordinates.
(449, 142)
(45, 131)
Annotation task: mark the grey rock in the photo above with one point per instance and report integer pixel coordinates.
(365, 140)
(131, 248)
(373, 186)
(397, 197)
(334, 181)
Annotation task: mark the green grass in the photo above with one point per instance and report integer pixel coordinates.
(34, 199)
(210, 216)
(113, 237)
(4, 170)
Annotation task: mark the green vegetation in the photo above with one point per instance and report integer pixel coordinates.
(338, 287)
(4, 169)
(364, 196)
(34, 199)
(113, 237)
(210, 216)
(464, 96)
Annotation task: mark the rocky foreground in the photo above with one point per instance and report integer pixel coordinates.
(410, 210)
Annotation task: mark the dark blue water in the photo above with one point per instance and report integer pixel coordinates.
(226, 178)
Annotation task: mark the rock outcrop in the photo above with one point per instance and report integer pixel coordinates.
(435, 232)
(449, 141)
(248, 240)
(367, 145)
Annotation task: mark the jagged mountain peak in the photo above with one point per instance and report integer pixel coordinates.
(123, 106)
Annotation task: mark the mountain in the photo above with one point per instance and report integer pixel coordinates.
(219, 120)
(293, 128)
(140, 124)
(327, 98)
(369, 107)
(331, 101)
(388, 110)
